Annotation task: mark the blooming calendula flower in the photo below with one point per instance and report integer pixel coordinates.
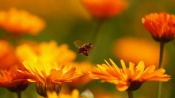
(49, 76)
(48, 51)
(131, 78)
(74, 94)
(13, 80)
(160, 25)
(105, 8)
(135, 49)
(18, 22)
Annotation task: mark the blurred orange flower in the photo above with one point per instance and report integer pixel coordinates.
(49, 76)
(13, 80)
(135, 49)
(160, 25)
(131, 78)
(7, 55)
(18, 22)
(84, 67)
(74, 94)
(48, 51)
(105, 8)
(105, 93)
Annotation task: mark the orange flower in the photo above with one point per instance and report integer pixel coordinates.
(135, 49)
(131, 78)
(7, 55)
(84, 67)
(48, 51)
(105, 8)
(13, 80)
(160, 25)
(20, 22)
(74, 94)
(49, 76)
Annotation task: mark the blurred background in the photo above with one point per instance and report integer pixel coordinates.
(68, 20)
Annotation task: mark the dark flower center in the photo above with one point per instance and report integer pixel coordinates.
(52, 87)
(134, 85)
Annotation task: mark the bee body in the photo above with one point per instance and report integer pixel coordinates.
(83, 48)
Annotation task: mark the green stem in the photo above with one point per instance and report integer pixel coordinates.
(130, 94)
(94, 38)
(161, 55)
(97, 31)
(18, 94)
(159, 85)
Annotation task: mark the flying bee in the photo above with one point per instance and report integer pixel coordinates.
(83, 48)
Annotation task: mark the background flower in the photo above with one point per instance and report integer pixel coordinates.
(105, 8)
(84, 68)
(8, 57)
(18, 22)
(47, 51)
(136, 49)
(74, 94)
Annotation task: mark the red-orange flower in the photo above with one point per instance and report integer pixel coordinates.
(105, 8)
(7, 55)
(131, 78)
(18, 22)
(160, 25)
(13, 80)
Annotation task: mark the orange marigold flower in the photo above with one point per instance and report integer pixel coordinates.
(49, 76)
(8, 57)
(105, 8)
(48, 51)
(19, 22)
(13, 80)
(135, 49)
(160, 25)
(131, 78)
(74, 94)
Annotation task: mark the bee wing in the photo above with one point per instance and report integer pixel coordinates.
(78, 43)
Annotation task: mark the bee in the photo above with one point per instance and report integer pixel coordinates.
(83, 48)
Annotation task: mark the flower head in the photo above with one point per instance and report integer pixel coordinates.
(84, 67)
(13, 80)
(105, 8)
(131, 49)
(18, 22)
(130, 78)
(8, 57)
(49, 76)
(47, 51)
(74, 94)
(160, 25)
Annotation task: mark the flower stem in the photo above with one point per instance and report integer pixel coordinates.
(97, 31)
(161, 54)
(159, 85)
(18, 94)
(130, 94)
